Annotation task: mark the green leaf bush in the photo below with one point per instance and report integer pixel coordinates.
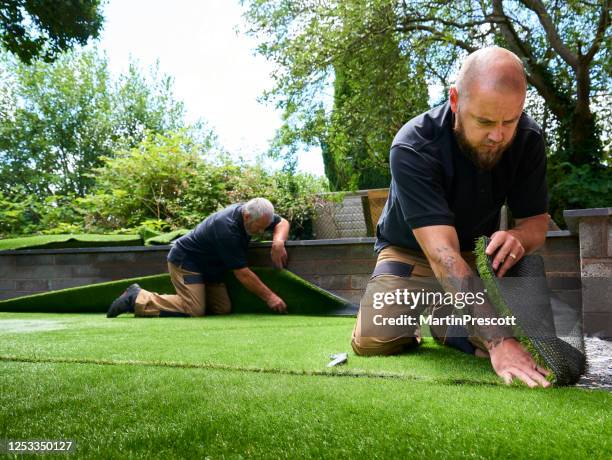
(166, 183)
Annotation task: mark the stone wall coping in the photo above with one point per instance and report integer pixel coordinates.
(573, 216)
(261, 244)
(590, 212)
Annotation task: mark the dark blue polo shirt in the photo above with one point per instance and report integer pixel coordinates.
(217, 244)
(434, 183)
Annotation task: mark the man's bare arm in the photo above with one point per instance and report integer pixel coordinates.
(441, 247)
(252, 282)
(279, 236)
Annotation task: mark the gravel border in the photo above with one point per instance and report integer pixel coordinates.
(599, 362)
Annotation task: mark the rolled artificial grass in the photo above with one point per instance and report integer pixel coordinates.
(165, 238)
(301, 297)
(69, 241)
(489, 278)
(94, 298)
(527, 299)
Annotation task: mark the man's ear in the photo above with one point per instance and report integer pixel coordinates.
(454, 98)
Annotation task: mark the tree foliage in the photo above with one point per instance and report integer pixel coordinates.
(176, 182)
(166, 182)
(44, 28)
(376, 87)
(58, 119)
(564, 45)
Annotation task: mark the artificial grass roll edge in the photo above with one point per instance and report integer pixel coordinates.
(300, 296)
(69, 241)
(489, 279)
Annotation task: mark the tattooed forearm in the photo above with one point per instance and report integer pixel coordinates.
(450, 269)
(455, 275)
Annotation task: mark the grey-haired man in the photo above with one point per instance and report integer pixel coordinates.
(197, 263)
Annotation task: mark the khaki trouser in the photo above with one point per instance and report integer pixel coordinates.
(368, 339)
(193, 297)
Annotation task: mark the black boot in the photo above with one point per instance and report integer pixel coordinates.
(125, 302)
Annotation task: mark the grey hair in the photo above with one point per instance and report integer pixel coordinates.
(258, 208)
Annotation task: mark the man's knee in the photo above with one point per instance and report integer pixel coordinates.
(217, 299)
(219, 309)
(372, 346)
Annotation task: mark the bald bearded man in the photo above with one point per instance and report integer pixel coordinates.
(452, 169)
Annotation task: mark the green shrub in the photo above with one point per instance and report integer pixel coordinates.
(572, 187)
(170, 182)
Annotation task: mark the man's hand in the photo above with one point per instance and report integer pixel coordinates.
(252, 282)
(279, 254)
(276, 303)
(508, 250)
(510, 360)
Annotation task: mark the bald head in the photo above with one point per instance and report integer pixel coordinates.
(491, 69)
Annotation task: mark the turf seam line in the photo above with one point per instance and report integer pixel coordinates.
(225, 367)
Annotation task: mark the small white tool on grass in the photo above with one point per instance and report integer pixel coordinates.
(337, 359)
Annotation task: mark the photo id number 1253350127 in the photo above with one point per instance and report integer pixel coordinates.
(17, 446)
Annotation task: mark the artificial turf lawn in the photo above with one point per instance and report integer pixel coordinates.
(228, 407)
(69, 241)
(300, 296)
(147, 237)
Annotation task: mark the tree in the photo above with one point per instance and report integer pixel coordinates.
(561, 43)
(376, 86)
(44, 28)
(59, 119)
(565, 46)
(375, 92)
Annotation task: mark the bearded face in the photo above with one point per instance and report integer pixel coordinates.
(485, 122)
(485, 154)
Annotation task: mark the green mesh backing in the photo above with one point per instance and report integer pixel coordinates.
(524, 293)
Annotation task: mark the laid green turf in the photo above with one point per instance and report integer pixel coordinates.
(300, 296)
(257, 387)
(69, 241)
(298, 344)
(149, 238)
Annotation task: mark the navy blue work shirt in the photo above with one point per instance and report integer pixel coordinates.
(434, 183)
(217, 244)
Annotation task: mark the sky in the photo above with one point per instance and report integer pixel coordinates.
(215, 69)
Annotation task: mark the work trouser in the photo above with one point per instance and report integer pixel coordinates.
(398, 269)
(193, 297)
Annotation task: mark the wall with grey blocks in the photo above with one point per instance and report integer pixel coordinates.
(31, 271)
(594, 226)
(342, 266)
